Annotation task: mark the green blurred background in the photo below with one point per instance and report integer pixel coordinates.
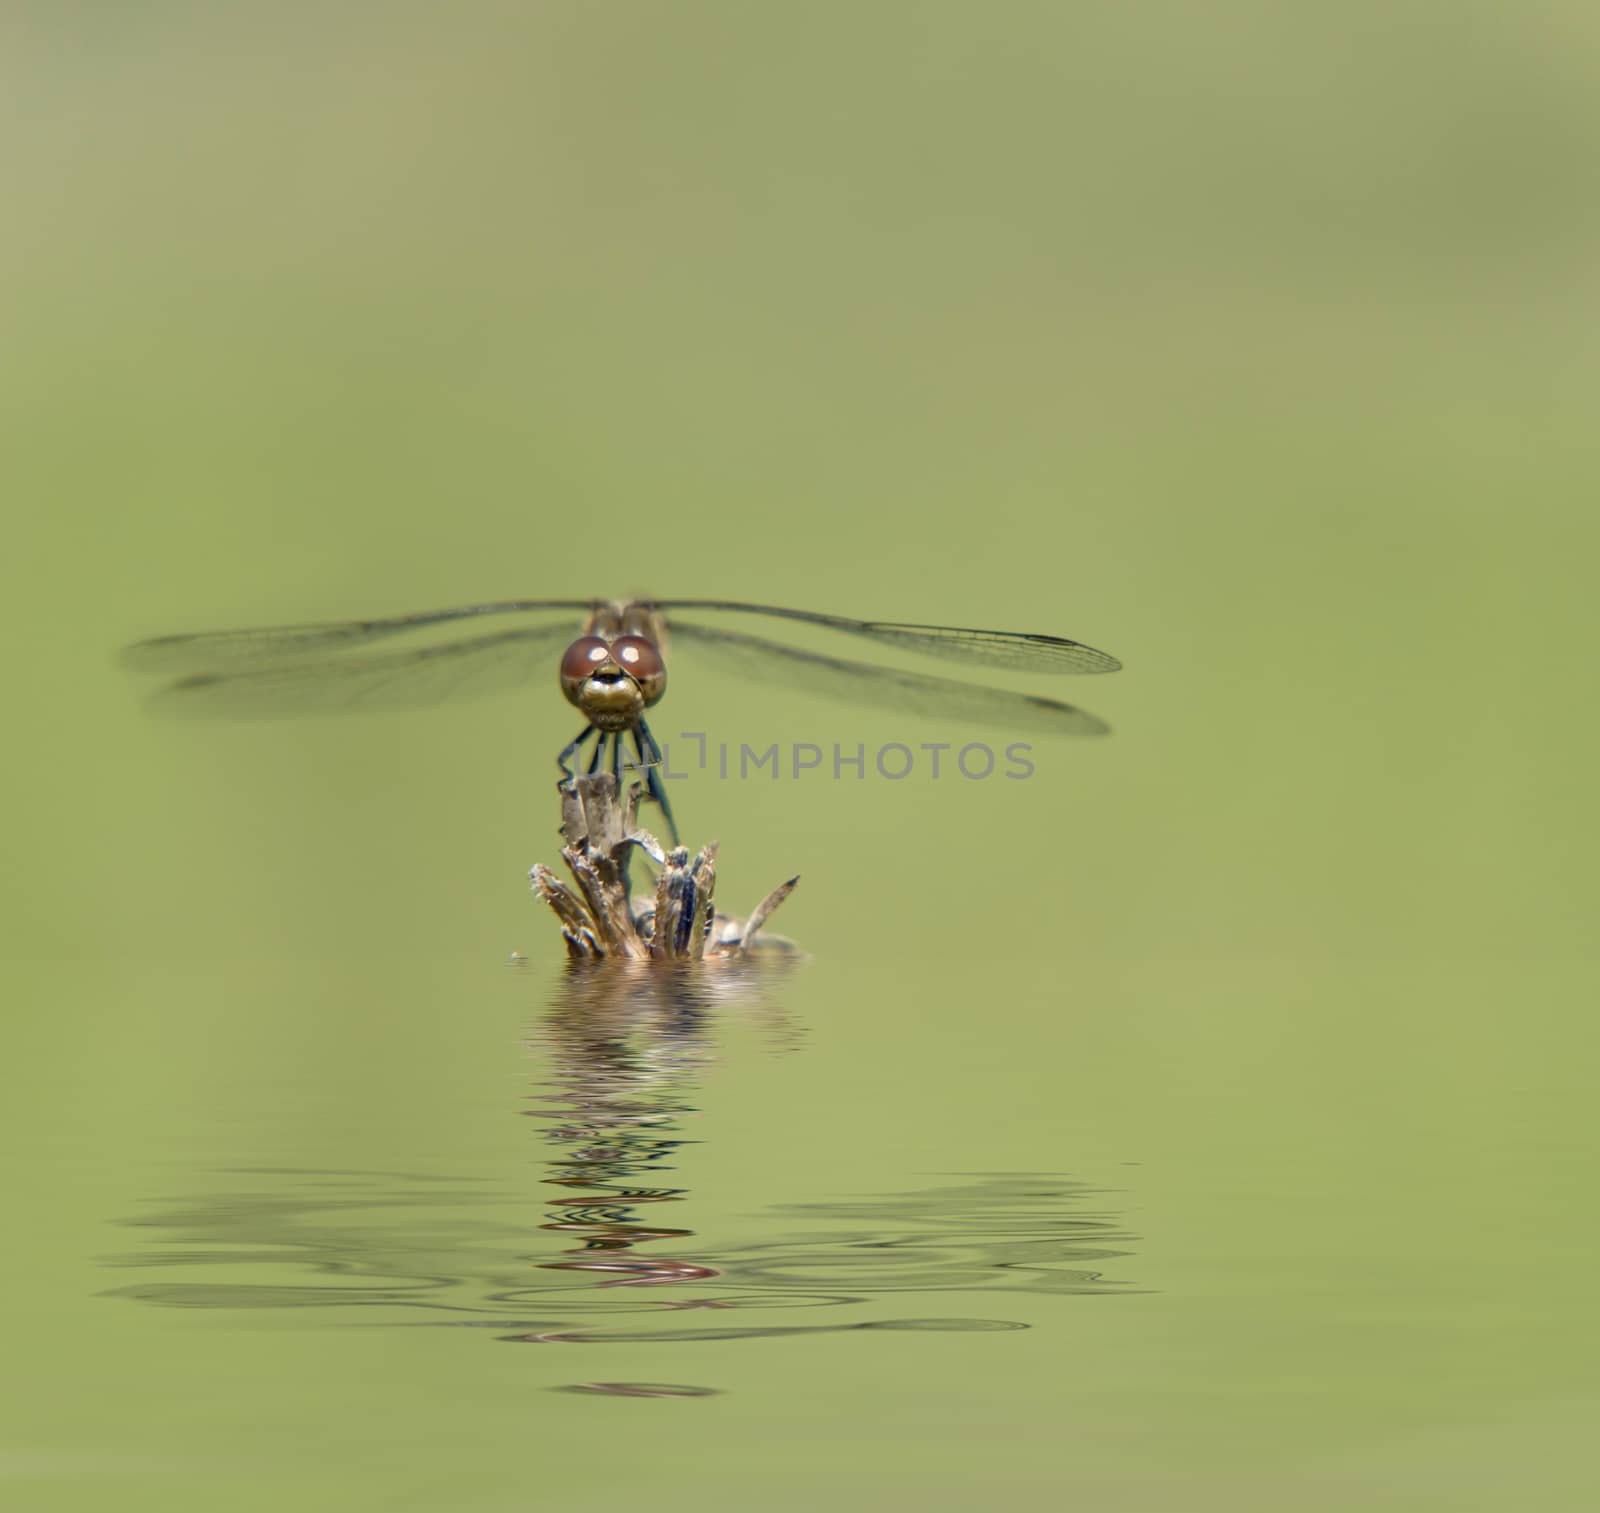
(1251, 342)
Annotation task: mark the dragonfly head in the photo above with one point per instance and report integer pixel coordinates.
(613, 682)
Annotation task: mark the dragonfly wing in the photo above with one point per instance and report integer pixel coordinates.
(208, 649)
(380, 680)
(1016, 651)
(887, 687)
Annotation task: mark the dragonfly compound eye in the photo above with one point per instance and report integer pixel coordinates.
(580, 662)
(641, 660)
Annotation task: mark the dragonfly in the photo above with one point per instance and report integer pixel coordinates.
(612, 671)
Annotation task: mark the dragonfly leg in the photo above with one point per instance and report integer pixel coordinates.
(651, 759)
(573, 747)
(568, 754)
(616, 763)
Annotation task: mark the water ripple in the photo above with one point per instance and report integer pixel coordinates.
(624, 1053)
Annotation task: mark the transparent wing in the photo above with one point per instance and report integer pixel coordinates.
(211, 648)
(887, 687)
(1017, 651)
(382, 680)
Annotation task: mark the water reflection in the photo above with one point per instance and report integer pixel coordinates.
(627, 1044)
(614, 1259)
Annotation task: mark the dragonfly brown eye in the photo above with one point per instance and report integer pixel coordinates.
(642, 662)
(579, 662)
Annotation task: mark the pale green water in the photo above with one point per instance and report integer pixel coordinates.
(1243, 1059)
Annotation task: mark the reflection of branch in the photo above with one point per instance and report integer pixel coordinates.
(599, 918)
(627, 1041)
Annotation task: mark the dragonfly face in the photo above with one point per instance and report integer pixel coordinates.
(613, 682)
(613, 672)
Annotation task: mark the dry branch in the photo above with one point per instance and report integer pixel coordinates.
(599, 916)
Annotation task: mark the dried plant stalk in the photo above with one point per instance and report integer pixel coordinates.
(598, 915)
